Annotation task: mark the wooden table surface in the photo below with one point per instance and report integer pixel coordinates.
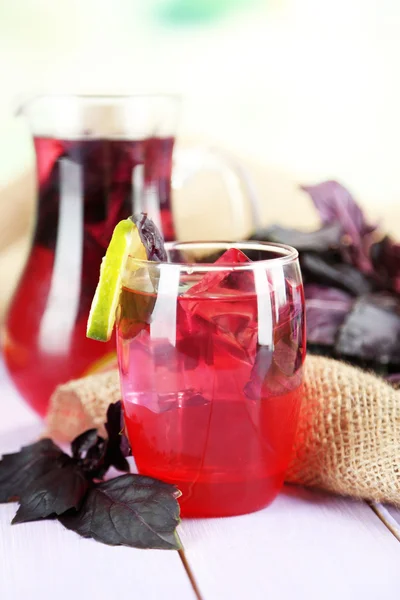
(306, 545)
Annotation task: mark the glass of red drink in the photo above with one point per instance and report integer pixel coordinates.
(210, 349)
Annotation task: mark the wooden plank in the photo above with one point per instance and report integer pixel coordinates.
(395, 513)
(306, 545)
(390, 516)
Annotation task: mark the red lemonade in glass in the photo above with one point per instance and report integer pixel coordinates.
(210, 370)
(85, 186)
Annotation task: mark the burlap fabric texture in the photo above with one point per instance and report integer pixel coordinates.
(348, 437)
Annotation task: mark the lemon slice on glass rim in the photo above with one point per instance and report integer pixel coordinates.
(136, 236)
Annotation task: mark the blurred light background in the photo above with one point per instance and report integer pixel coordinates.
(300, 90)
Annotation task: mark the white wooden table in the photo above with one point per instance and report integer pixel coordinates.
(306, 545)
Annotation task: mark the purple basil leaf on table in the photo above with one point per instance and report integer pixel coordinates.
(83, 443)
(321, 240)
(328, 270)
(89, 451)
(371, 330)
(326, 310)
(130, 510)
(18, 471)
(117, 444)
(95, 454)
(55, 492)
(336, 205)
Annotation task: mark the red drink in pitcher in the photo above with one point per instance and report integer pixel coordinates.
(85, 186)
(210, 366)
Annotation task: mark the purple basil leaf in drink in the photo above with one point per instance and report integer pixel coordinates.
(371, 330)
(321, 240)
(326, 310)
(212, 281)
(328, 270)
(55, 492)
(232, 328)
(151, 238)
(336, 205)
(261, 367)
(19, 470)
(130, 510)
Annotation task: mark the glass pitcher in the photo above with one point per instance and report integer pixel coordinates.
(99, 159)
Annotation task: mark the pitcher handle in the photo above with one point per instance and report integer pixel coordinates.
(237, 179)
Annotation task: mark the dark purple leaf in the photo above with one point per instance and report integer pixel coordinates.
(19, 470)
(89, 451)
(336, 205)
(371, 330)
(96, 455)
(83, 443)
(151, 238)
(130, 510)
(117, 445)
(394, 380)
(329, 271)
(321, 240)
(94, 464)
(326, 310)
(386, 260)
(53, 493)
(321, 292)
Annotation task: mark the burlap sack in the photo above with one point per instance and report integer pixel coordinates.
(348, 438)
(81, 404)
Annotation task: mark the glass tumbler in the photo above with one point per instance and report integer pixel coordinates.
(210, 350)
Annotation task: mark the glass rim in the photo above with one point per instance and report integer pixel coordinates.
(286, 255)
(28, 104)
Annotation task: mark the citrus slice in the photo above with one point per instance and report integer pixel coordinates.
(126, 240)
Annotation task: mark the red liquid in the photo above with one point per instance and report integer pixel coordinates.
(202, 413)
(85, 188)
